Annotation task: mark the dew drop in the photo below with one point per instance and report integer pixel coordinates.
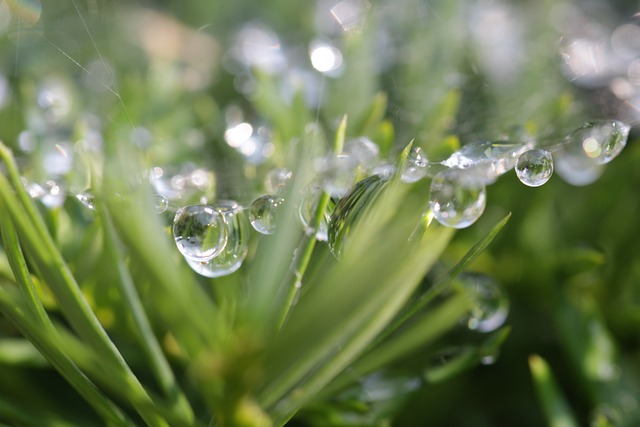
(338, 174)
(487, 159)
(575, 167)
(601, 141)
(264, 213)
(534, 167)
(416, 166)
(87, 199)
(276, 180)
(54, 196)
(364, 152)
(490, 306)
(200, 232)
(456, 199)
(161, 203)
(353, 206)
(235, 251)
(307, 209)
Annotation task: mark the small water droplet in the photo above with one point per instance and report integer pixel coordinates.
(34, 189)
(264, 213)
(276, 180)
(416, 166)
(235, 251)
(87, 199)
(161, 203)
(534, 167)
(200, 232)
(487, 159)
(54, 196)
(456, 199)
(489, 305)
(349, 209)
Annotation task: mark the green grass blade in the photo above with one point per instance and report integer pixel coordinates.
(150, 346)
(46, 341)
(553, 402)
(445, 281)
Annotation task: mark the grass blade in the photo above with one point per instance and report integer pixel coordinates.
(551, 399)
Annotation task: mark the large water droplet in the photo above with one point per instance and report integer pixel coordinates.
(457, 199)
(308, 205)
(534, 167)
(338, 174)
(264, 213)
(364, 151)
(200, 232)
(487, 159)
(349, 209)
(601, 141)
(489, 305)
(235, 251)
(416, 166)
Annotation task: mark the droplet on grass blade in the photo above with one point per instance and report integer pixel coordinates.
(161, 203)
(308, 204)
(276, 179)
(490, 306)
(534, 167)
(87, 199)
(235, 251)
(264, 213)
(200, 232)
(457, 199)
(415, 167)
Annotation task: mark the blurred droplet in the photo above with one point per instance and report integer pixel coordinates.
(87, 199)
(490, 306)
(27, 141)
(238, 134)
(349, 209)
(625, 41)
(364, 151)
(257, 46)
(35, 190)
(605, 415)
(200, 232)
(487, 159)
(457, 200)
(25, 12)
(338, 173)
(57, 158)
(235, 251)
(141, 137)
(264, 213)
(54, 196)
(276, 180)
(100, 76)
(415, 167)
(325, 57)
(601, 140)
(54, 100)
(351, 14)
(308, 206)
(534, 167)
(380, 386)
(5, 91)
(161, 203)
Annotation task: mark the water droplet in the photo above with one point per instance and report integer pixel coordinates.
(276, 179)
(487, 159)
(384, 171)
(54, 100)
(364, 151)
(489, 305)
(457, 199)
(325, 57)
(27, 141)
(34, 189)
(57, 158)
(54, 196)
(87, 199)
(235, 251)
(349, 209)
(381, 386)
(264, 213)
(601, 141)
(200, 232)
(575, 167)
(416, 166)
(534, 167)
(307, 209)
(161, 203)
(338, 174)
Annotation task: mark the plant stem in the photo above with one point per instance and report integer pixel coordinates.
(308, 243)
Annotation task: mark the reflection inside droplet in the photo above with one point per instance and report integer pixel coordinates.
(200, 232)
(457, 199)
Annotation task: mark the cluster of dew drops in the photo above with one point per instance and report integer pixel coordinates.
(214, 238)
